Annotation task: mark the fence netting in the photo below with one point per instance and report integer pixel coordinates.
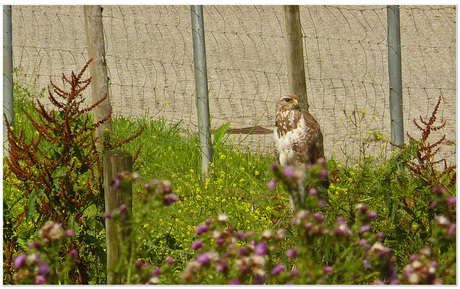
(150, 65)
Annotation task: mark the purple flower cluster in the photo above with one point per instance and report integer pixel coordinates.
(34, 268)
(421, 270)
(249, 261)
(157, 193)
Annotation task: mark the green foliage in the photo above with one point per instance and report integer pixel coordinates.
(55, 169)
(408, 238)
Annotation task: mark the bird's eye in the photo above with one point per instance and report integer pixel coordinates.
(287, 99)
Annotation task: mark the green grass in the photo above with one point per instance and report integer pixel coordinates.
(237, 186)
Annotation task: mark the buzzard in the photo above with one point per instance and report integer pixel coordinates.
(298, 140)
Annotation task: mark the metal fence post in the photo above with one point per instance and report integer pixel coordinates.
(8, 108)
(201, 82)
(395, 75)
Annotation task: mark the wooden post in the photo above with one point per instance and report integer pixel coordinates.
(294, 54)
(98, 68)
(116, 162)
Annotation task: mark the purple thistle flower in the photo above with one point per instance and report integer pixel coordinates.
(240, 235)
(169, 199)
(437, 190)
(167, 188)
(308, 225)
(123, 208)
(380, 235)
(442, 221)
(395, 282)
(365, 228)
(321, 161)
(223, 218)
(451, 200)
(197, 244)
(289, 172)
(203, 258)
(340, 220)
(230, 230)
(392, 273)
(40, 279)
(69, 233)
(278, 269)
(116, 184)
(434, 204)
(200, 229)
(138, 264)
(291, 252)
(260, 279)
(261, 249)
(318, 217)
(155, 272)
(321, 203)
(366, 264)
(221, 266)
(243, 251)
(433, 264)
(271, 184)
(295, 272)
(425, 251)
(220, 241)
(267, 234)
(327, 270)
(312, 192)
(19, 261)
(154, 182)
(343, 230)
(385, 251)
(73, 253)
(234, 281)
(361, 208)
(323, 173)
(147, 186)
(169, 260)
(43, 269)
(280, 233)
(274, 167)
(34, 259)
(34, 244)
(372, 215)
(451, 231)
(106, 215)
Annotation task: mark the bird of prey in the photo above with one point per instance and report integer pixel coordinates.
(298, 140)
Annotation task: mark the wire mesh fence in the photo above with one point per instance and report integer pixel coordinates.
(150, 65)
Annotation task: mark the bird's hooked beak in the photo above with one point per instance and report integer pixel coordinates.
(295, 103)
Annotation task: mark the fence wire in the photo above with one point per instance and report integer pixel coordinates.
(150, 65)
